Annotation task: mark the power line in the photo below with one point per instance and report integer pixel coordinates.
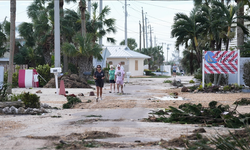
(162, 6)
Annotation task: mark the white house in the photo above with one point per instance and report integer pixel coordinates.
(132, 61)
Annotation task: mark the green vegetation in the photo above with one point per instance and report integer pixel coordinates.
(3, 92)
(44, 71)
(227, 88)
(71, 102)
(167, 81)
(191, 81)
(214, 115)
(91, 82)
(30, 100)
(148, 72)
(243, 101)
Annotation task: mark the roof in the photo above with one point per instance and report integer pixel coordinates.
(124, 52)
(4, 59)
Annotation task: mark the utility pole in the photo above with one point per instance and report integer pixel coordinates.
(126, 41)
(151, 42)
(167, 50)
(155, 42)
(146, 32)
(89, 9)
(57, 33)
(162, 44)
(140, 36)
(100, 10)
(143, 29)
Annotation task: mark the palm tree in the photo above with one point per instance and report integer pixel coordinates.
(41, 16)
(188, 28)
(229, 17)
(99, 25)
(131, 43)
(12, 41)
(3, 38)
(84, 50)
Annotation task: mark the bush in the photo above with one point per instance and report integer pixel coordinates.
(148, 72)
(30, 100)
(192, 88)
(167, 81)
(208, 85)
(227, 88)
(71, 102)
(14, 77)
(191, 81)
(44, 71)
(198, 74)
(246, 73)
(3, 92)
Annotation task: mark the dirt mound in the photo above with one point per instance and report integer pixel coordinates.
(70, 81)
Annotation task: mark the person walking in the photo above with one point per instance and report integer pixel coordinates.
(174, 70)
(112, 78)
(122, 68)
(119, 76)
(99, 76)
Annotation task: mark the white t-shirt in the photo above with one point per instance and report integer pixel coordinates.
(119, 74)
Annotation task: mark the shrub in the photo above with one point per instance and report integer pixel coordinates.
(3, 92)
(192, 88)
(209, 84)
(148, 72)
(198, 74)
(71, 102)
(167, 81)
(191, 81)
(44, 71)
(246, 73)
(200, 88)
(227, 88)
(30, 100)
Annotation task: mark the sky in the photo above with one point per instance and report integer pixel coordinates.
(159, 14)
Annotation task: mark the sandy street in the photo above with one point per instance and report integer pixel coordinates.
(119, 115)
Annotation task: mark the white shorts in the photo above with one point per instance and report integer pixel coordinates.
(119, 82)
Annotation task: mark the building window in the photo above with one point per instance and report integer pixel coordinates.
(122, 63)
(110, 63)
(136, 65)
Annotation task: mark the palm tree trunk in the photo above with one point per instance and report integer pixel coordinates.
(240, 34)
(65, 57)
(85, 64)
(12, 41)
(82, 6)
(227, 44)
(47, 57)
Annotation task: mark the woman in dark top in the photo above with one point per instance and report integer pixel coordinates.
(99, 76)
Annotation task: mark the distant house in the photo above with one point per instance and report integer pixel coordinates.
(4, 61)
(132, 61)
